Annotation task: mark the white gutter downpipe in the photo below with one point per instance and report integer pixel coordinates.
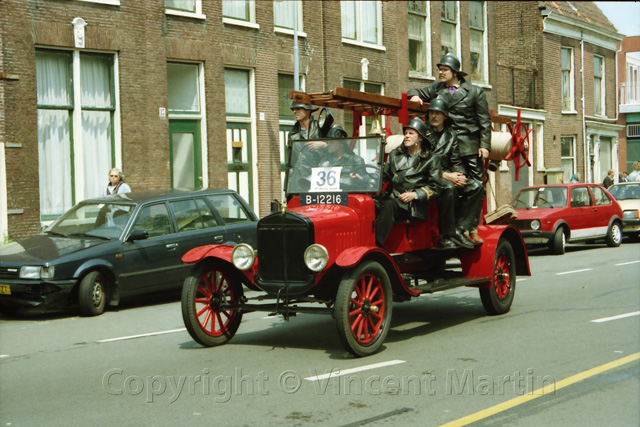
(584, 124)
(296, 73)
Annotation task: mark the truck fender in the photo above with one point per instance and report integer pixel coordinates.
(221, 253)
(351, 257)
(479, 261)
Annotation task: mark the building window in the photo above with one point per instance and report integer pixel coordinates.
(184, 90)
(449, 27)
(567, 80)
(362, 21)
(477, 34)
(188, 8)
(598, 85)
(239, 11)
(284, 14)
(419, 41)
(236, 86)
(76, 110)
(632, 93)
(361, 86)
(567, 156)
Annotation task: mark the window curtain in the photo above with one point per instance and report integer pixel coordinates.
(54, 141)
(188, 5)
(416, 43)
(95, 78)
(283, 11)
(566, 80)
(476, 40)
(235, 9)
(184, 90)
(369, 21)
(236, 87)
(348, 18)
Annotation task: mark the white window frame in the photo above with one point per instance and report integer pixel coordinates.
(196, 15)
(427, 46)
(75, 130)
(485, 47)
(566, 179)
(359, 42)
(251, 23)
(603, 93)
(572, 82)
(289, 31)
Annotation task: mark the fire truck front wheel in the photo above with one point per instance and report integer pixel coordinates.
(363, 308)
(207, 292)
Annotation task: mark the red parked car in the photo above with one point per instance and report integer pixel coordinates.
(554, 215)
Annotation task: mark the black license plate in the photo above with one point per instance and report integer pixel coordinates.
(324, 199)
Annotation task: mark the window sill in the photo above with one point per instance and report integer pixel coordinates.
(240, 23)
(106, 2)
(569, 112)
(419, 75)
(363, 44)
(483, 85)
(184, 14)
(289, 32)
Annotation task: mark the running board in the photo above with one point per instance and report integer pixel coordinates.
(453, 282)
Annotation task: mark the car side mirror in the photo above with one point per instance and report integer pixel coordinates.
(138, 235)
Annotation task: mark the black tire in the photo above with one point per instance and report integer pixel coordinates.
(92, 295)
(614, 235)
(558, 242)
(498, 298)
(364, 301)
(203, 303)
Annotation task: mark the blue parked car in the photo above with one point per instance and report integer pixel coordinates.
(108, 248)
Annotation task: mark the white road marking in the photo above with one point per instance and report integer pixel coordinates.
(574, 271)
(130, 337)
(627, 263)
(337, 372)
(3, 356)
(620, 316)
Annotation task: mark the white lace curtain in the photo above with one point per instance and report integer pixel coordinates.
(55, 108)
(283, 12)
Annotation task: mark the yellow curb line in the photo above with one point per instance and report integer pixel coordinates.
(541, 392)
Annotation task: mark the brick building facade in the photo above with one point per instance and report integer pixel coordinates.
(193, 93)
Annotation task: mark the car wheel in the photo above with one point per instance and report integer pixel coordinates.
(558, 242)
(498, 298)
(363, 308)
(208, 291)
(92, 294)
(614, 235)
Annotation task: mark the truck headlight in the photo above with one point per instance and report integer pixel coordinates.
(316, 257)
(36, 272)
(243, 256)
(535, 224)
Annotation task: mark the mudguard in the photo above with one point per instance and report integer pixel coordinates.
(479, 261)
(222, 253)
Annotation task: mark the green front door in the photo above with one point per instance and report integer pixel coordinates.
(239, 159)
(186, 154)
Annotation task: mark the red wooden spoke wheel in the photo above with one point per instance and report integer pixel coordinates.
(498, 298)
(207, 293)
(520, 145)
(363, 308)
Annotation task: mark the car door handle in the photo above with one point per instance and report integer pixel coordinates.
(172, 245)
(218, 238)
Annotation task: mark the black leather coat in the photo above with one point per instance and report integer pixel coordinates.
(446, 147)
(419, 173)
(469, 110)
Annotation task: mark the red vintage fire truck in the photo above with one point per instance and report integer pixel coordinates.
(316, 251)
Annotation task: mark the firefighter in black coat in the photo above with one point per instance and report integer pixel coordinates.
(469, 110)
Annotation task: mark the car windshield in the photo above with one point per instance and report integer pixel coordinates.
(625, 191)
(540, 197)
(329, 165)
(94, 220)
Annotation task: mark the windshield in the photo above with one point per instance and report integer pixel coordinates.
(625, 191)
(97, 220)
(540, 197)
(329, 165)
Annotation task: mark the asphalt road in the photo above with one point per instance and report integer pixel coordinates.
(566, 354)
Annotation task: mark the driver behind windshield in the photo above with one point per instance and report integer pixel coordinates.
(339, 153)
